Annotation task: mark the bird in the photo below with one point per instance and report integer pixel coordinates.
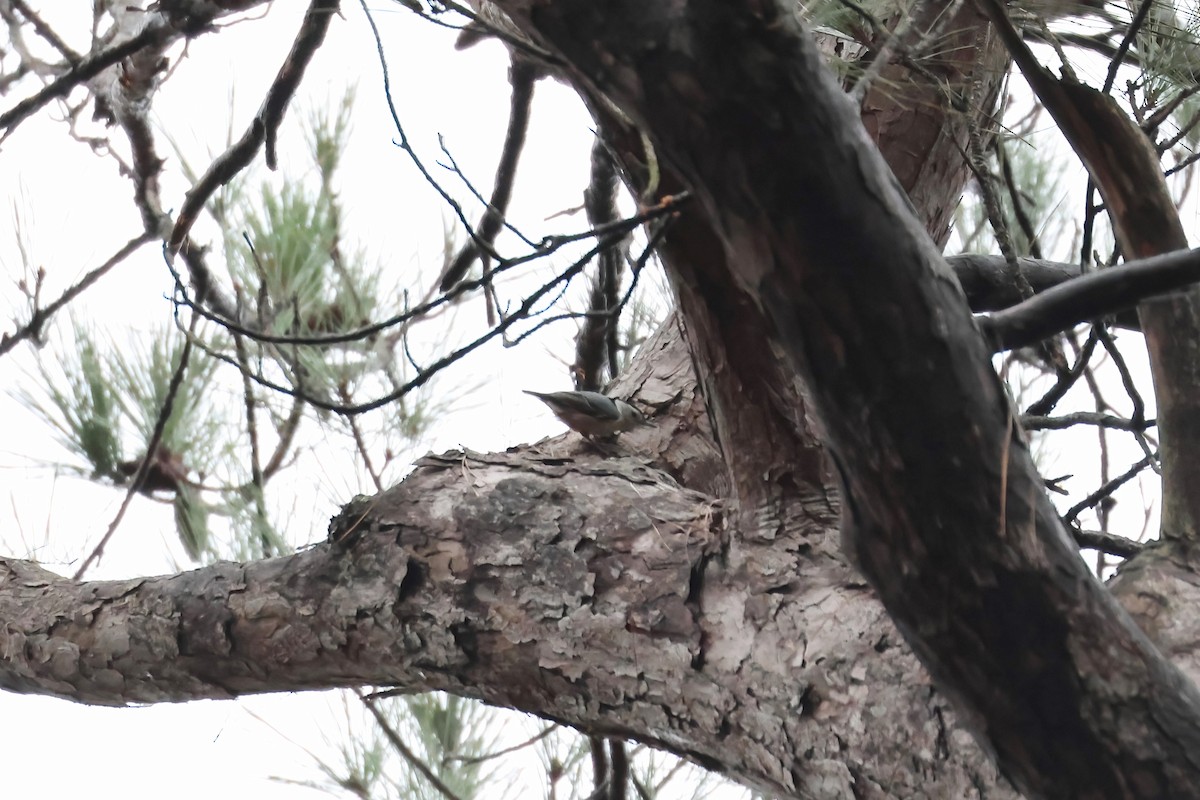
(592, 414)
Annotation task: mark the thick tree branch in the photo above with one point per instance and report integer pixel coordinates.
(589, 592)
(944, 510)
(1090, 296)
(1125, 167)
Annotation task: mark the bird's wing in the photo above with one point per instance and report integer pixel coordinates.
(590, 404)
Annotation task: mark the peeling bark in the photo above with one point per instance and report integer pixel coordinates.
(943, 509)
(601, 594)
(693, 592)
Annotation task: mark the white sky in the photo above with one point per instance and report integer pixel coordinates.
(78, 211)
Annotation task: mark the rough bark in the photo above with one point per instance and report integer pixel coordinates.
(944, 510)
(694, 593)
(1128, 173)
(598, 593)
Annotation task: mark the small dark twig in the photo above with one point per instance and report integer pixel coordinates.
(1046, 403)
(143, 469)
(1130, 34)
(1018, 201)
(523, 75)
(1108, 488)
(257, 480)
(615, 311)
(404, 750)
(549, 245)
(1138, 415)
(360, 443)
(532, 740)
(437, 366)
(33, 328)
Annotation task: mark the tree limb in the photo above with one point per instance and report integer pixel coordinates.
(944, 508)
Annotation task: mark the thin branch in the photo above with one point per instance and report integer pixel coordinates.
(143, 469)
(456, 170)
(1126, 41)
(1106, 543)
(33, 328)
(615, 311)
(1164, 112)
(45, 31)
(1045, 404)
(393, 737)
(522, 75)
(360, 443)
(1039, 423)
(85, 70)
(517, 43)
(403, 142)
(437, 366)
(547, 246)
(1138, 415)
(1089, 297)
(542, 734)
(287, 435)
(257, 480)
(1015, 196)
(1107, 489)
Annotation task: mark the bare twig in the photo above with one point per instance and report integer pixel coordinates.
(85, 70)
(46, 32)
(1130, 34)
(404, 750)
(542, 734)
(1036, 423)
(1045, 404)
(433, 369)
(522, 75)
(1018, 202)
(143, 469)
(33, 328)
(257, 479)
(1108, 488)
(549, 245)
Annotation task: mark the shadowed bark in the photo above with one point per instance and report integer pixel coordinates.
(943, 509)
(693, 593)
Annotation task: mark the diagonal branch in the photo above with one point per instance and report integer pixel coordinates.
(1092, 295)
(40, 316)
(265, 125)
(971, 561)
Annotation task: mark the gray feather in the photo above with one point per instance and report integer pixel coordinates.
(592, 404)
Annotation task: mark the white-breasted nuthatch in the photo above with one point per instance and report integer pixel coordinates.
(591, 413)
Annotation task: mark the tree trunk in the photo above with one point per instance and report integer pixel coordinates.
(695, 593)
